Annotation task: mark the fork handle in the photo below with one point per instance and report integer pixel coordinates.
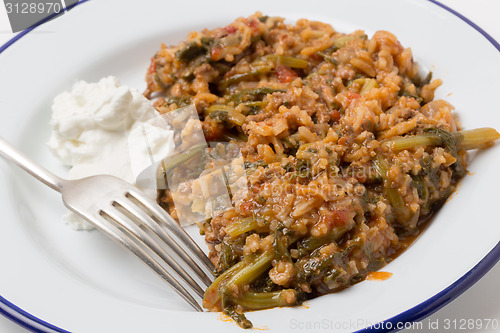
(12, 154)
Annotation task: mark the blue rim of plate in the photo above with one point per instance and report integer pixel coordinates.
(393, 324)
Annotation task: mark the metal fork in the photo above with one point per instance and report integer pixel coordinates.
(127, 216)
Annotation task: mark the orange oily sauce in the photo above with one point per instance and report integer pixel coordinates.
(378, 276)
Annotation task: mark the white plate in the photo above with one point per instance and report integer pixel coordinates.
(55, 279)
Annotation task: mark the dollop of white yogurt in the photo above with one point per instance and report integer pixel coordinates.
(106, 128)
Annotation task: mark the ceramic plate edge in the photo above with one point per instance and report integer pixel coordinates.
(415, 313)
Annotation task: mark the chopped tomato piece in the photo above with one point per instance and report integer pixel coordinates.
(230, 29)
(336, 218)
(285, 74)
(335, 115)
(216, 52)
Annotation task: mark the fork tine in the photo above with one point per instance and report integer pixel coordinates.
(124, 239)
(173, 226)
(141, 236)
(154, 227)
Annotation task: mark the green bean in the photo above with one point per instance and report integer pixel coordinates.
(173, 161)
(469, 139)
(292, 62)
(314, 266)
(453, 141)
(238, 98)
(303, 168)
(256, 104)
(329, 58)
(223, 113)
(309, 244)
(476, 138)
(238, 277)
(380, 167)
(260, 66)
(252, 270)
(230, 272)
(342, 41)
(217, 107)
(401, 211)
(397, 202)
(255, 72)
(427, 79)
(368, 84)
(413, 141)
(212, 295)
(420, 82)
(227, 257)
(365, 83)
(333, 278)
(238, 136)
(263, 19)
(241, 226)
(231, 40)
(190, 51)
(256, 164)
(160, 82)
(194, 49)
(229, 308)
(180, 101)
(263, 300)
(450, 142)
(418, 182)
(236, 117)
(280, 245)
(218, 116)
